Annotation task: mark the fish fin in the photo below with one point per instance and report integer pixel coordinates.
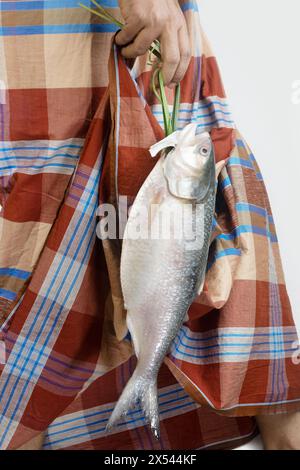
(138, 389)
(150, 408)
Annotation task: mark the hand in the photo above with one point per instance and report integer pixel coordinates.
(148, 20)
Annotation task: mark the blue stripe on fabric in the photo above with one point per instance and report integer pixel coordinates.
(211, 103)
(241, 143)
(198, 106)
(221, 254)
(58, 29)
(51, 4)
(7, 294)
(13, 149)
(247, 229)
(206, 124)
(18, 273)
(227, 113)
(279, 353)
(239, 161)
(78, 418)
(226, 182)
(237, 335)
(194, 119)
(274, 342)
(49, 157)
(79, 426)
(60, 4)
(37, 167)
(245, 207)
(193, 111)
(228, 252)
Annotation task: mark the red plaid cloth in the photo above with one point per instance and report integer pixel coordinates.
(61, 302)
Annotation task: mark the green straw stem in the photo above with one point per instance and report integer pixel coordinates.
(107, 14)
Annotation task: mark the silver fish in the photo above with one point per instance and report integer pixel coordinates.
(162, 275)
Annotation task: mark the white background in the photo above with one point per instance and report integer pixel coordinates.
(257, 45)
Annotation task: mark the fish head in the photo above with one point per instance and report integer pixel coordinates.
(189, 167)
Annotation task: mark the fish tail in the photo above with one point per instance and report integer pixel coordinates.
(138, 389)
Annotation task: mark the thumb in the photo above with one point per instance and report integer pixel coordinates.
(128, 33)
(116, 38)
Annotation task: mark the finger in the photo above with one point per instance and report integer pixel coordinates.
(170, 54)
(141, 43)
(185, 55)
(129, 32)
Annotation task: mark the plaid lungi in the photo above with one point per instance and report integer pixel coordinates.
(77, 121)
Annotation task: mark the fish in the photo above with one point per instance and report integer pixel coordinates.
(163, 270)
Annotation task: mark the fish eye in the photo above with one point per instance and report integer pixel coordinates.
(204, 150)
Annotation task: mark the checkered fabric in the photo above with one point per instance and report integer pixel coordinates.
(76, 123)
